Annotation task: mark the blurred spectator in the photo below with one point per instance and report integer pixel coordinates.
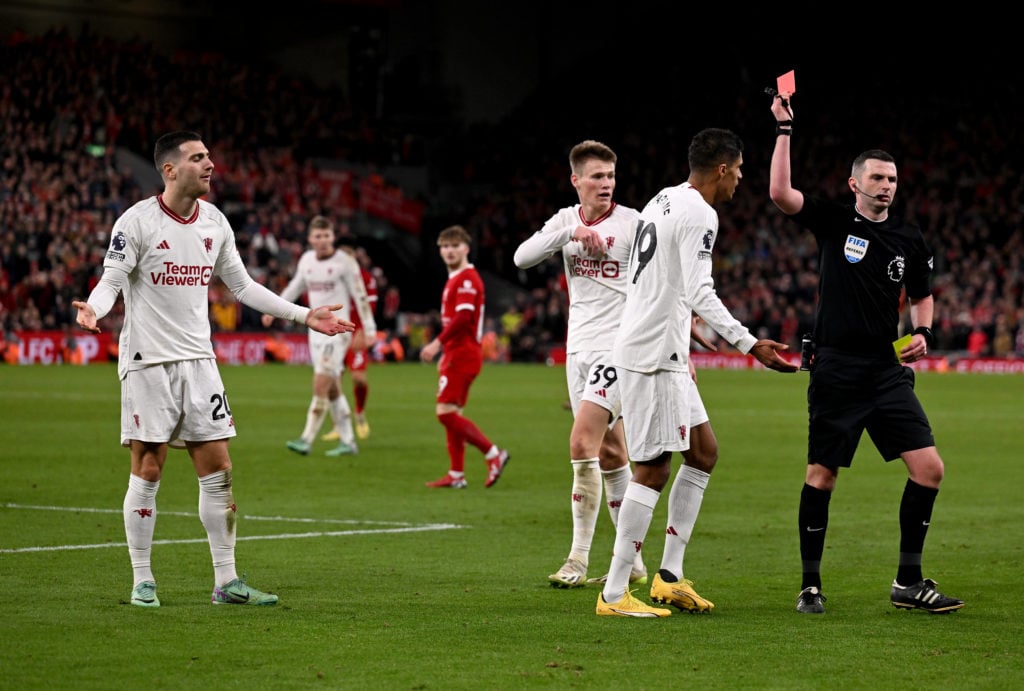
(64, 118)
(276, 348)
(225, 311)
(11, 348)
(977, 342)
(1002, 339)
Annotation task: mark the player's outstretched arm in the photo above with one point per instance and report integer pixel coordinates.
(767, 353)
(324, 320)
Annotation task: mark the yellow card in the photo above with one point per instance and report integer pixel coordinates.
(901, 343)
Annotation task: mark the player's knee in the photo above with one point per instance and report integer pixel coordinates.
(703, 457)
(582, 447)
(929, 475)
(925, 467)
(706, 459)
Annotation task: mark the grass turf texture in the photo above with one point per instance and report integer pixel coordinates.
(387, 584)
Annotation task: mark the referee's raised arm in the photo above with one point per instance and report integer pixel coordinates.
(780, 186)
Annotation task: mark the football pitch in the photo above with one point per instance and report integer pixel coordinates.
(386, 584)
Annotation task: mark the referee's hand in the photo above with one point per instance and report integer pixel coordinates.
(767, 353)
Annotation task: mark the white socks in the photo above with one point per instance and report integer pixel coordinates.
(634, 520)
(314, 418)
(586, 502)
(684, 502)
(139, 522)
(615, 484)
(217, 512)
(341, 415)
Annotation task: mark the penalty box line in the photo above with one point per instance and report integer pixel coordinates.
(386, 527)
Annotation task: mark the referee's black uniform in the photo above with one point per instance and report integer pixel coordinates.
(856, 379)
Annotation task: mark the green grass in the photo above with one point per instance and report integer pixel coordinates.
(460, 600)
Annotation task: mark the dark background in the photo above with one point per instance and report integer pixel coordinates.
(478, 61)
(493, 95)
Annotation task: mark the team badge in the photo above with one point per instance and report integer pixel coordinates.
(855, 248)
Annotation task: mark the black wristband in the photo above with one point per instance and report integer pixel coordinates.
(784, 127)
(929, 337)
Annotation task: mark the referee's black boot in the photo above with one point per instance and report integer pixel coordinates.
(923, 595)
(810, 601)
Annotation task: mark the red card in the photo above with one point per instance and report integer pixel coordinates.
(786, 83)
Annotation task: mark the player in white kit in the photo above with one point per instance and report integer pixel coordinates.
(669, 279)
(327, 275)
(594, 238)
(163, 252)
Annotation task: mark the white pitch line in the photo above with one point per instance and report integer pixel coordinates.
(397, 527)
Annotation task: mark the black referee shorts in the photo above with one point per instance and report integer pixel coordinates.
(850, 393)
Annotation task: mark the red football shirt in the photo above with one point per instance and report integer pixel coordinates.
(462, 316)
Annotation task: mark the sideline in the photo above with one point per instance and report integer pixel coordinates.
(386, 527)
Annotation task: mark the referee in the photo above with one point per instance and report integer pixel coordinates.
(866, 257)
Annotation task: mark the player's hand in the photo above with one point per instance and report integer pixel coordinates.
(324, 320)
(767, 353)
(592, 242)
(86, 316)
(429, 351)
(267, 320)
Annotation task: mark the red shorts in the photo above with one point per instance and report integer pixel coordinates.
(355, 360)
(454, 381)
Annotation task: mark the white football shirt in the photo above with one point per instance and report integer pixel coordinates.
(162, 264)
(669, 279)
(330, 281)
(597, 287)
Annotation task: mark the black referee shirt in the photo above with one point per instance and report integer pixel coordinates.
(862, 267)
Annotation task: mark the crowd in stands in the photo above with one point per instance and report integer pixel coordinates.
(68, 102)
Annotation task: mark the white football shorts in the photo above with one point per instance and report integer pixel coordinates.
(592, 377)
(175, 402)
(659, 410)
(327, 353)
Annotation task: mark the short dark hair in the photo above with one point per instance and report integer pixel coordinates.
(869, 155)
(167, 146)
(713, 146)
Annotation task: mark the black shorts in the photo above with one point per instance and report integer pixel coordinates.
(851, 393)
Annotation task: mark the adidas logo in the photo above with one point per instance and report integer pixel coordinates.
(602, 393)
(163, 245)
